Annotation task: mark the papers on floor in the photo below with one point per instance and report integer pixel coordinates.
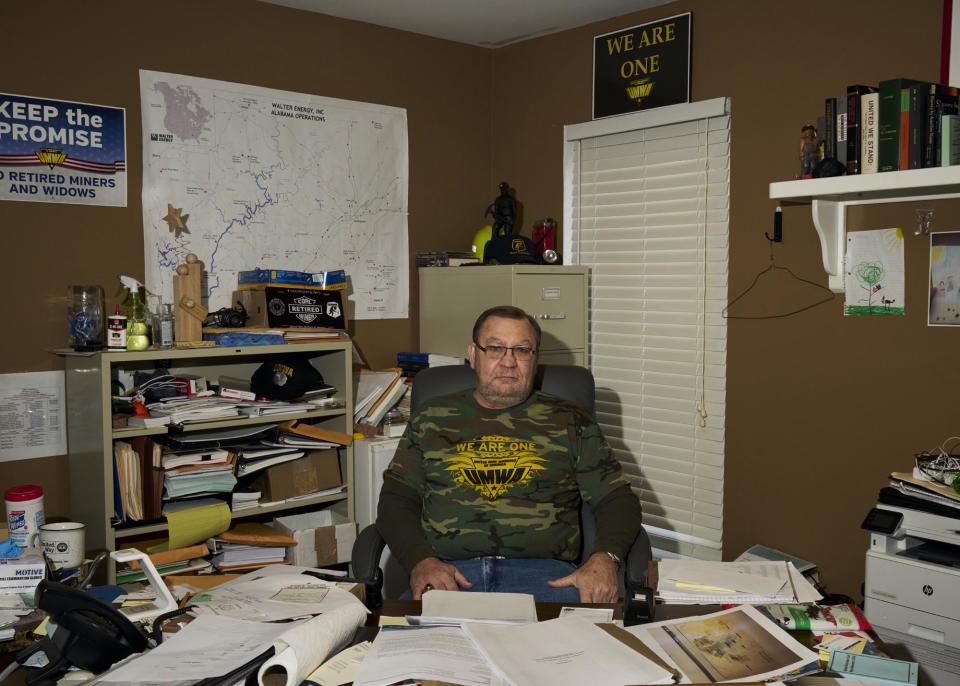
(453, 608)
(703, 582)
(563, 652)
(739, 644)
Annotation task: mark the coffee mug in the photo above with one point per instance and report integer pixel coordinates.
(62, 543)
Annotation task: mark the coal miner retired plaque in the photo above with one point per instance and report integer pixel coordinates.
(642, 67)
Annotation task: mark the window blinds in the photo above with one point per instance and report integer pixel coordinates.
(647, 207)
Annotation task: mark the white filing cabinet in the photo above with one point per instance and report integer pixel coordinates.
(370, 458)
(451, 298)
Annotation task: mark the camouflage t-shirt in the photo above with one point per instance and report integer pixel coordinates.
(504, 482)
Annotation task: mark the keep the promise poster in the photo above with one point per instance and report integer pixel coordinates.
(62, 151)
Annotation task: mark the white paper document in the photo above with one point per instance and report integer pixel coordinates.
(454, 607)
(33, 420)
(563, 652)
(259, 596)
(302, 649)
(441, 653)
(341, 668)
(698, 581)
(207, 646)
(739, 644)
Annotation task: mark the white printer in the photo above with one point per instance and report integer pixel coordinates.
(912, 590)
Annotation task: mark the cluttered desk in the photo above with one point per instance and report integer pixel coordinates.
(290, 625)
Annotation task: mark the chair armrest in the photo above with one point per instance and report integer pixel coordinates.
(638, 559)
(365, 561)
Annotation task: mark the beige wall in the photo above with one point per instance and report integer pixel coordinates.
(820, 408)
(92, 51)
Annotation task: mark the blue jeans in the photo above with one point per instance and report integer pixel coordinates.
(518, 575)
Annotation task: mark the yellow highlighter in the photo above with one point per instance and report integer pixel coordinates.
(704, 587)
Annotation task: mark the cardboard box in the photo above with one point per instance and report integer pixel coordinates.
(318, 470)
(289, 307)
(22, 574)
(324, 537)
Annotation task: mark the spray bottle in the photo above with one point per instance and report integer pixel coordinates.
(138, 337)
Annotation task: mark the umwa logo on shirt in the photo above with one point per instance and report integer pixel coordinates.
(492, 465)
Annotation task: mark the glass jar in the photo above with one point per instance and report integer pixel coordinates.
(85, 317)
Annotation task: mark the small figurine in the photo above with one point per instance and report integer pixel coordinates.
(809, 151)
(504, 212)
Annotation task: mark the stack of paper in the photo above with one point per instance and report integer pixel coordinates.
(702, 582)
(253, 459)
(179, 410)
(201, 477)
(229, 556)
(452, 608)
(377, 392)
(243, 500)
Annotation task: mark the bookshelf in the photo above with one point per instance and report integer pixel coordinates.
(829, 199)
(90, 432)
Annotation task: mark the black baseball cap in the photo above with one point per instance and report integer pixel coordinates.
(285, 378)
(510, 250)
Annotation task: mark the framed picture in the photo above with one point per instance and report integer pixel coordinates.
(642, 67)
(944, 309)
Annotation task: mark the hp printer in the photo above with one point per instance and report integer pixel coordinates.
(912, 590)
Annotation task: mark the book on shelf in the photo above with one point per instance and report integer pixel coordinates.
(854, 140)
(916, 126)
(888, 136)
(829, 131)
(869, 113)
(941, 101)
(841, 149)
(950, 140)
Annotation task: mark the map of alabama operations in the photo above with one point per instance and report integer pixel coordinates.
(248, 177)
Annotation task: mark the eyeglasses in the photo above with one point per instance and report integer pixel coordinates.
(521, 353)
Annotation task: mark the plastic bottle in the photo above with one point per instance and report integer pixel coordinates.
(164, 336)
(138, 336)
(24, 512)
(117, 331)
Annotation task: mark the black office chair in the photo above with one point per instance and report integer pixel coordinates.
(565, 381)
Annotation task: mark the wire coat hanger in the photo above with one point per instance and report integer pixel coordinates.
(776, 238)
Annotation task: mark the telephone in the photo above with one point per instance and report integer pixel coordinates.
(83, 632)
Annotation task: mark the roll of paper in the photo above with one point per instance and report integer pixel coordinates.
(304, 648)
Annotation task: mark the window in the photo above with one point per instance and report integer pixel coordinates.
(646, 207)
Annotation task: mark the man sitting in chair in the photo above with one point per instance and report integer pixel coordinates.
(484, 491)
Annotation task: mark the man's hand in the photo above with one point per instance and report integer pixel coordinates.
(434, 573)
(596, 579)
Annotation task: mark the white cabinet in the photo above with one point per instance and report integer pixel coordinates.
(90, 382)
(370, 458)
(451, 298)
